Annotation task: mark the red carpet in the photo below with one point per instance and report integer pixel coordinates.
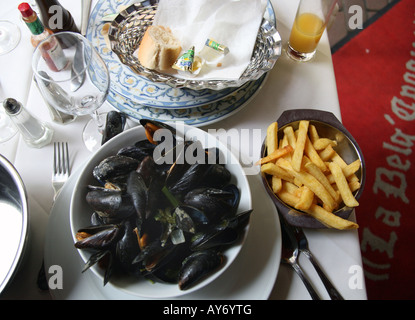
(375, 73)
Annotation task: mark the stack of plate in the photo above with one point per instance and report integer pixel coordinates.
(139, 97)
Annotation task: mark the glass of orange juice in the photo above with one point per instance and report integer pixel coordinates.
(309, 24)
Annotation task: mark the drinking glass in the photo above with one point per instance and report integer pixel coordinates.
(9, 36)
(309, 24)
(7, 128)
(73, 78)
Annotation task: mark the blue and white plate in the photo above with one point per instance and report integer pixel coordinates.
(198, 116)
(137, 89)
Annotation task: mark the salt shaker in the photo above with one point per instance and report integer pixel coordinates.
(35, 133)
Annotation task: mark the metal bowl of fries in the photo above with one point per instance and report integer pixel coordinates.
(313, 169)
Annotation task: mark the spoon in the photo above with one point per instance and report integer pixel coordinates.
(289, 255)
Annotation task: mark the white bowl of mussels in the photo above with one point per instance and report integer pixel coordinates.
(160, 210)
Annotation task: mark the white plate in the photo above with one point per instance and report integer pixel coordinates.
(250, 277)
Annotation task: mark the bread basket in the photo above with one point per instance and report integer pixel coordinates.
(128, 28)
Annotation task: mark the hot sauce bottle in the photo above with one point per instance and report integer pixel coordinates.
(51, 50)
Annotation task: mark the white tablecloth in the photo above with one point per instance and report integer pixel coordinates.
(290, 85)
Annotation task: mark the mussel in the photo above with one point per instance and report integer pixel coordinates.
(215, 203)
(137, 190)
(114, 166)
(98, 237)
(127, 247)
(110, 203)
(114, 125)
(138, 151)
(198, 265)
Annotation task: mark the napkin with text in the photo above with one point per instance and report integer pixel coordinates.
(234, 24)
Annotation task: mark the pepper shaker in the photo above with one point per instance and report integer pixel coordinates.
(34, 132)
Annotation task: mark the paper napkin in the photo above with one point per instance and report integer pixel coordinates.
(233, 23)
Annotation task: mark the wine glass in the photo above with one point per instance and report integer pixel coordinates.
(74, 79)
(9, 36)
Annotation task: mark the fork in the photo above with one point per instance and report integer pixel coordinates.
(60, 172)
(303, 247)
(289, 255)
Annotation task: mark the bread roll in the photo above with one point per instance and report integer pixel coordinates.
(158, 49)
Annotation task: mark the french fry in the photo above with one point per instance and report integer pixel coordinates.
(289, 187)
(325, 217)
(329, 219)
(354, 185)
(343, 185)
(275, 170)
(311, 152)
(289, 133)
(272, 137)
(277, 153)
(327, 153)
(323, 143)
(312, 169)
(348, 171)
(313, 133)
(276, 184)
(312, 183)
(352, 168)
(297, 157)
(306, 199)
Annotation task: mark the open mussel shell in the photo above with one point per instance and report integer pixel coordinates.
(98, 237)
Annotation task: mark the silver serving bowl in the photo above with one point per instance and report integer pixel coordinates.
(14, 222)
(128, 28)
(330, 127)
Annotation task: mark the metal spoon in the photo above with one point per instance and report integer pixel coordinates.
(289, 255)
(303, 247)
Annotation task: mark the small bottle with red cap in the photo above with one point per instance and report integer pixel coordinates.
(51, 50)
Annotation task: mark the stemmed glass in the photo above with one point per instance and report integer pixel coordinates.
(74, 79)
(9, 36)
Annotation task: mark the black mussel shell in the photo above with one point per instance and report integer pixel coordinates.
(114, 166)
(137, 189)
(110, 203)
(127, 247)
(101, 237)
(138, 151)
(198, 265)
(213, 238)
(215, 203)
(114, 125)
